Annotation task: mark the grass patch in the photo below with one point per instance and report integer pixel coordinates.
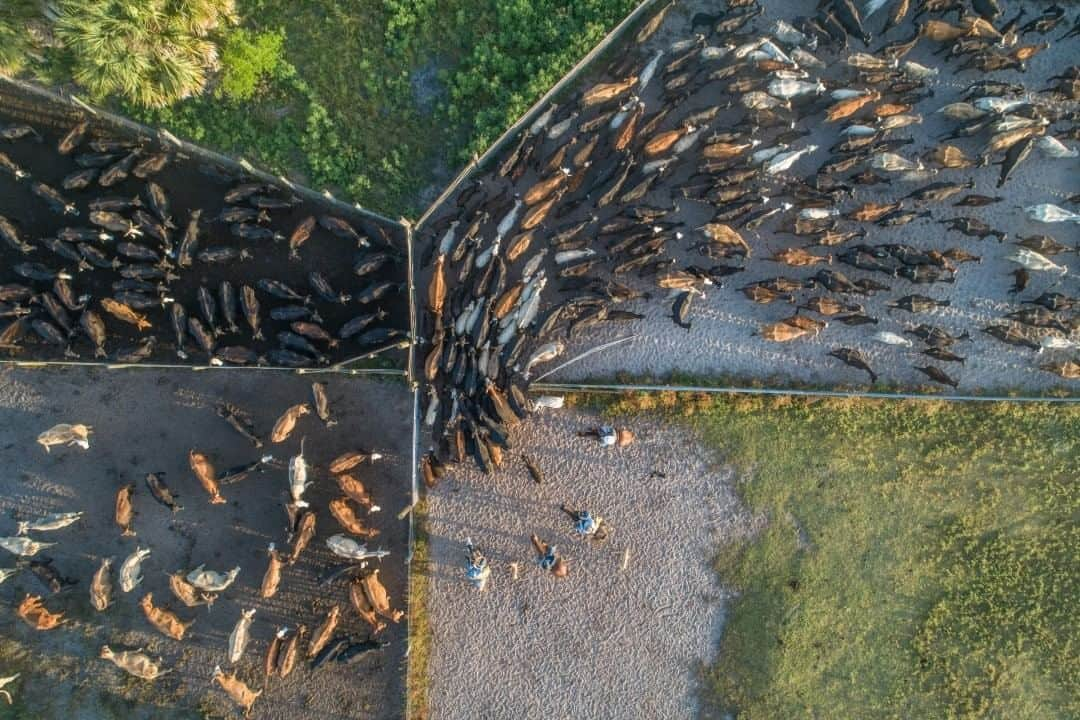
(919, 560)
(377, 101)
(416, 683)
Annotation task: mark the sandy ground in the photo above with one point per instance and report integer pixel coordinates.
(602, 643)
(147, 421)
(722, 343)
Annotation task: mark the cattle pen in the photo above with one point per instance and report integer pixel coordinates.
(391, 368)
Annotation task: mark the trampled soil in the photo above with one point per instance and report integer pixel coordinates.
(190, 183)
(146, 421)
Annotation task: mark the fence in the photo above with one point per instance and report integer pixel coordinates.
(797, 392)
(527, 118)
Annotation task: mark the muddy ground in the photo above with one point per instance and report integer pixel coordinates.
(722, 341)
(147, 421)
(605, 642)
(191, 183)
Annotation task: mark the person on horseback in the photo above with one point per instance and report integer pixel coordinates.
(608, 436)
(586, 524)
(549, 558)
(477, 570)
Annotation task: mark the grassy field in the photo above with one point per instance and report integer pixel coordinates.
(920, 559)
(382, 101)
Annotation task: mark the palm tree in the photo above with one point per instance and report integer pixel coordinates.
(152, 52)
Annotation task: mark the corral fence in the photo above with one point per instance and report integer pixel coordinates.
(482, 162)
(39, 106)
(629, 22)
(32, 103)
(622, 388)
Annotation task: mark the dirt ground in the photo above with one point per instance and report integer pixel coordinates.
(722, 342)
(147, 421)
(603, 642)
(190, 183)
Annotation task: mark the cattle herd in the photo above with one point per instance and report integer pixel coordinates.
(117, 250)
(585, 211)
(354, 511)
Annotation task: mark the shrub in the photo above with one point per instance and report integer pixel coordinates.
(246, 59)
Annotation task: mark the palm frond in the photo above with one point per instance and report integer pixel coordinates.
(152, 52)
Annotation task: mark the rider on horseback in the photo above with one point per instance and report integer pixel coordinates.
(549, 558)
(477, 570)
(586, 524)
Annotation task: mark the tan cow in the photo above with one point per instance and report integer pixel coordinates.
(324, 632)
(236, 689)
(134, 663)
(166, 622)
(287, 422)
(272, 577)
(204, 471)
(125, 513)
(364, 608)
(377, 596)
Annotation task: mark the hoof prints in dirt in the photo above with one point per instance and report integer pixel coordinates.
(117, 250)
(172, 512)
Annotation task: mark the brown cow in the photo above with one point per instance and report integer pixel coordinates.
(346, 517)
(355, 490)
(36, 616)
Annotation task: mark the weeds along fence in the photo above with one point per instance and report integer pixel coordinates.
(630, 21)
(622, 388)
(539, 386)
(60, 110)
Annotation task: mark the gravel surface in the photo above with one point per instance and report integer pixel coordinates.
(722, 342)
(146, 421)
(601, 643)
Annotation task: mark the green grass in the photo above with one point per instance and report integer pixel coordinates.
(378, 101)
(920, 559)
(345, 110)
(419, 621)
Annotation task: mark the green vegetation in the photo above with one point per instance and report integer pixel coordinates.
(419, 622)
(376, 101)
(920, 559)
(247, 58)
(151, 52)
(522, 48)
(16, 17)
